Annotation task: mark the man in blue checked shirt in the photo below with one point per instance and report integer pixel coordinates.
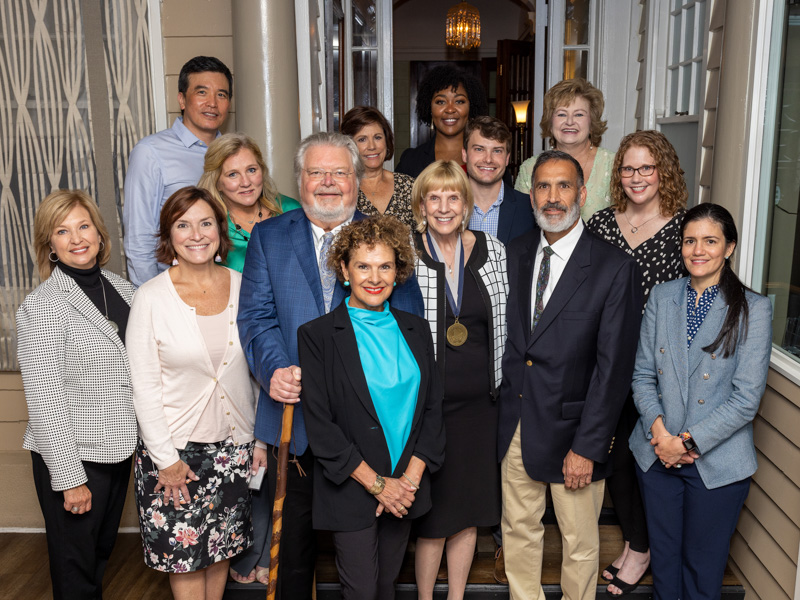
(500, 210)
(164, 162)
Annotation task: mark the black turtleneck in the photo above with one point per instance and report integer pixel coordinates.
(89, 280)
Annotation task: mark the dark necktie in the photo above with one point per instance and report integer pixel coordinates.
(541, 285)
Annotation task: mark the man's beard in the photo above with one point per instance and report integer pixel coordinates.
(568, 219)
(332, 213)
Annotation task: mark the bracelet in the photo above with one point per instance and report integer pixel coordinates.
(378, 486)
(411, 481)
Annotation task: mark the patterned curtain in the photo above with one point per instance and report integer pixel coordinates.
(47, 136)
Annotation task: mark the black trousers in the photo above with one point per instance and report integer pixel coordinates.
(623, 486)
(79, 546)
(369, 560)
(298, 551)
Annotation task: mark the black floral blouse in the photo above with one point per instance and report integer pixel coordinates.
(659, 257)
(399, 204)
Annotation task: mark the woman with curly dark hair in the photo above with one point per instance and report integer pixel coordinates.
(447, 99)
(373, 403)
(649, 195)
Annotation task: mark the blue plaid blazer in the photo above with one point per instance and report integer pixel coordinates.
(280, 292)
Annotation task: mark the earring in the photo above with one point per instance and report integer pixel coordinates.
(346, 283)
(102, 245)
(217, 258)
(175, 261)
(50, 256)
(394, 284)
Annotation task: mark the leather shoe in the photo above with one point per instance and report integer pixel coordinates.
(500, 567)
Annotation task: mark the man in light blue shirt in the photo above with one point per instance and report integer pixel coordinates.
(164, 162)
(499, 210)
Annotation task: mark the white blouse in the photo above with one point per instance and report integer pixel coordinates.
(172, 373)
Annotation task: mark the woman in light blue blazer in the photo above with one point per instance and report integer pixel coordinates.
(701, 370)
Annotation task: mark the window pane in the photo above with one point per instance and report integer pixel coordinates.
(700, 29)
(672, 82)
(364, 32)
(782, 268)
(686, 87)
(576, 23)
(676, 39)
(365, 78)
(688, 34)
(576, 63)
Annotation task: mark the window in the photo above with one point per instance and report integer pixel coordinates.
(572, 36)
(776, 272)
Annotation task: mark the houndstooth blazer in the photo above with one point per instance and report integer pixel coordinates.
(76, 378)
(489, 264)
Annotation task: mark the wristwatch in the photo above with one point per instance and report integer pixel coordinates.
(688, 441)
(378, 486)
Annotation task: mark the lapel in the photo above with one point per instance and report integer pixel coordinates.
(344, 338)
(303, 246)
(569, 282)
(85, 307)
(708, 332)
(417, 346)
(676, 332)
(507, 209)
(525, 278)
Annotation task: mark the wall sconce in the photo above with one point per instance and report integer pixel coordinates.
(521, 116)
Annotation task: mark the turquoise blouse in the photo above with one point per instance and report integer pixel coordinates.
(239, 238)
(391, 371)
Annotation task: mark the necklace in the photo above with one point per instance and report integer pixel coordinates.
(114, 326)
(379, 182)
(636, 228)
(250, 222)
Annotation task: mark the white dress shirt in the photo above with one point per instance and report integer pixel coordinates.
(562, 250)
(317, 232)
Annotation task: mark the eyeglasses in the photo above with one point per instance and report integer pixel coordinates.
(644, 171)
(319, 174)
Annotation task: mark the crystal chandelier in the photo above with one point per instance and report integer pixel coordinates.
(463, 29)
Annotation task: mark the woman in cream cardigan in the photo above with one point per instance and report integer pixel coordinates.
(194, 403)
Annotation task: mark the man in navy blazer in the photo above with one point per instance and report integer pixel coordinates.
(500, 210)
(282, 290)
(574, 309)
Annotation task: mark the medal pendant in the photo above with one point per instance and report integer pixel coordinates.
(456, 334)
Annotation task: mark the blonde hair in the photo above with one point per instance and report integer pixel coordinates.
(564, 93)
(446, 175)
(51, 212)
(220, 150)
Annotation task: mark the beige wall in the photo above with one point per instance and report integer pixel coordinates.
(195, 28)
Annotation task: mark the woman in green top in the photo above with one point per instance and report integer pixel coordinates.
(236, 176)
(572, 118)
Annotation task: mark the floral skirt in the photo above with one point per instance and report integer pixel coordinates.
(215, 525)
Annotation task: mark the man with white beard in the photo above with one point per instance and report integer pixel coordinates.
(574, 309)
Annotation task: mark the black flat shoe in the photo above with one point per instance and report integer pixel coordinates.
(611, 569)
(626, 588)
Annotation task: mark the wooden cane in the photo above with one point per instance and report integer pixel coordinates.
(280, 496)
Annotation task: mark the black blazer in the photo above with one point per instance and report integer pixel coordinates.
(566, 384)
(343, 427)
(516, 215)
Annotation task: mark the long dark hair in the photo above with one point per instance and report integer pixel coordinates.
(732, 289)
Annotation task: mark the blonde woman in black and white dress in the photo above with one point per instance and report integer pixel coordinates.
(81, 424)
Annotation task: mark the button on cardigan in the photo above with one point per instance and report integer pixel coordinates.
(173, 378)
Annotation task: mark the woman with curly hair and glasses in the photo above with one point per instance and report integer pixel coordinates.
(649, 196)
(373, 404)
(572, 120)
(447, 99)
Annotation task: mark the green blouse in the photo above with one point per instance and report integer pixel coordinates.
(598, 195)
(239, 237)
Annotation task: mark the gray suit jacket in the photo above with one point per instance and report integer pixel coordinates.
(76, 378)
(714, 398)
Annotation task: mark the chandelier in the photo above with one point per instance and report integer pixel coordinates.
(463, 29)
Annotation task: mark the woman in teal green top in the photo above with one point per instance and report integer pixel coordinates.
(237, 176)
(572, 119)
(372, 403)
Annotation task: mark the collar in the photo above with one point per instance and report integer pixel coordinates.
(317, 232)
(185, 136)
(564, 247)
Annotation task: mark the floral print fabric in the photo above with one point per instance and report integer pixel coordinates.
(213, 526)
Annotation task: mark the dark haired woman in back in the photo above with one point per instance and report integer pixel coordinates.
(701, 370)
